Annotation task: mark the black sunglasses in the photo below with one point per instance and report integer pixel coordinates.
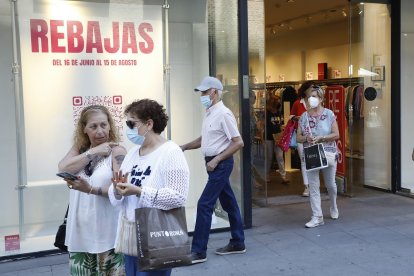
(131, 124)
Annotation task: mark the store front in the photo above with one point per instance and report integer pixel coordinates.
(164, 49)
(60, 56)
(345, 47)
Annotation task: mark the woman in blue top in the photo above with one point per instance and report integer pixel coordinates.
(318, 125)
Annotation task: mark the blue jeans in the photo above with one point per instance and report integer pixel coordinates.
(218, 187)
(132, 268)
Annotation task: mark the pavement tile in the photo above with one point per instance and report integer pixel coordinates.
(373, 236)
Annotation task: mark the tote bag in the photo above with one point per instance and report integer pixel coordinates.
(315, 157)
(162, 238)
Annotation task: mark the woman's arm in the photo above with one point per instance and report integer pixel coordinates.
(333, 136)
(73, 161)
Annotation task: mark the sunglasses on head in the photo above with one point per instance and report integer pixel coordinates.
(131, 124)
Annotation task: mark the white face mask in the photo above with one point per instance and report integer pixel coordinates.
(313, 101)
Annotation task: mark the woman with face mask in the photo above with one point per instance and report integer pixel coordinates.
(318, 125)
(154, 174)
(299, 107)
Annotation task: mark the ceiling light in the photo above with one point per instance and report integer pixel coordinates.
(290, 1)
(273, 31)
(281, 24)
(344, 13)
(308, 19)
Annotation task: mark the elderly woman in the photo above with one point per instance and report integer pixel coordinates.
(156, 175)
(318, 125)
(92, 221)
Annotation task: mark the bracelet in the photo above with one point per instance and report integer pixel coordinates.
(90, 190)
(89, 155)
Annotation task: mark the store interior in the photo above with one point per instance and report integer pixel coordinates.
(327, 42)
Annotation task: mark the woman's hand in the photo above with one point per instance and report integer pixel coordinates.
(127, 189)
(119, 177)
(80, 185)
(103, 149)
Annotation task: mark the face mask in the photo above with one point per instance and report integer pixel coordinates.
(134, 137)
(206, 101)
(313, 102)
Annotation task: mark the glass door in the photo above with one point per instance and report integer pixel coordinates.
(257, 94)
(368, 99)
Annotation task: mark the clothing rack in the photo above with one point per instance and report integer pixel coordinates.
(341, 81)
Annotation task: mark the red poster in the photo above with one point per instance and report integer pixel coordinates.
(12, 242)
(335, 101)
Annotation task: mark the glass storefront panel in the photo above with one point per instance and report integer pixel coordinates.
(257, 101)
(369, 118)
(62, 71)
(407, 97)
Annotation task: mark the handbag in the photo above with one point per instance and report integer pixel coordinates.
(61, 234)
(315, 157)
(287, 133)
(162, 238)
(126, 241)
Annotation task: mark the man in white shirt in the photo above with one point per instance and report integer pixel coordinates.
(219, 140)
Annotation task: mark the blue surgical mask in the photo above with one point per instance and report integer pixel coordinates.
(206, 101)
(134, 137)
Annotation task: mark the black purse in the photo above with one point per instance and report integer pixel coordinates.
(61, 234)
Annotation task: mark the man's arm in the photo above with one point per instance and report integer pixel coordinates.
(192, 145)
(236, 144)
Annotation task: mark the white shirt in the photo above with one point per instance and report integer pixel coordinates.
(92, 220)
(219, 127)
(163, 175)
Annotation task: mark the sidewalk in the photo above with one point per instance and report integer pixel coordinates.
(373, 236)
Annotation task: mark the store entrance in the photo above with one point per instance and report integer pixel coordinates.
(333, 44)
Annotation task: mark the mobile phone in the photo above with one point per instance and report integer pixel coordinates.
(67, 175)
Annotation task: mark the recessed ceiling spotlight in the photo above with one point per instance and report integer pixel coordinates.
(290, 1)
(273, 31)
(343, 13)
(281, 24)
(308, 19)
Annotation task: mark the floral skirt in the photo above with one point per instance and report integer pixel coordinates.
(107, 263)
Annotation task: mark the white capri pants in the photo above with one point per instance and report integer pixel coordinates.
(314, 191)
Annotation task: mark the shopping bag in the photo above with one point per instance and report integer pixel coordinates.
(315, 157)
(293, 143)
(61, 234)
(162, 238)
(284, 141)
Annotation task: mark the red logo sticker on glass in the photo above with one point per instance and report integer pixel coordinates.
(117, 99)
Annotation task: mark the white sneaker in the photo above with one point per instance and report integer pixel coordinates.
(314, 222)
(306, 191)
(334, 213)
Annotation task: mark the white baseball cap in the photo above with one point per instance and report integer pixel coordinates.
(209, 82)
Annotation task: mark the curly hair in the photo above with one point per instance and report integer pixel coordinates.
(81, 139)
(147, 109)
(305, 86)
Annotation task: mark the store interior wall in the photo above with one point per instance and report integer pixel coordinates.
(407, 95)
(300, 51)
